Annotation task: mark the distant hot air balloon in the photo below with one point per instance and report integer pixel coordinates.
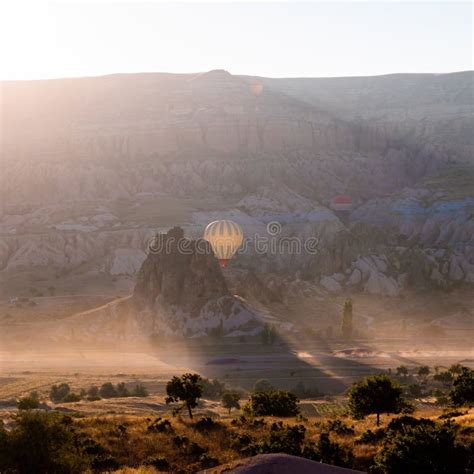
(225, 238)
(341, 203)
(256, 89)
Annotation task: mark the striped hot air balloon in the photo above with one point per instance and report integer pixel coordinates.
(341, 203)
(225, 238)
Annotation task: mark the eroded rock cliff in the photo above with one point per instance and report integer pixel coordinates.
(180, 290)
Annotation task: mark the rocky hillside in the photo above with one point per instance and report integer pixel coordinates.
(431, 110)
(192, 134)
(92, 168)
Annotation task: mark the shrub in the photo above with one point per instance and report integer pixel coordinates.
(208, 461)
(400, 423)
(30, 402)
(310, 451)
(414, 390)
(422, 448)
(456, 369)
(160, 425)
(333, 453)
(180, 441)
(446, 378)
(272, 403)
(451, 414)
(59, 392)
(283, 439)
(423, 372)
(243, 443)
(339, 427)
(139, 391)
(122, 431)
(107, 390)
(100, 458)
(206, 423)
(252, 422)
(231, 400)
(194, 449)
(93, 393)
(71, 397)
(462, 392)
(402, 371)
(122, 390)
(42, 442)
(467, 430)
(159, 463)
(371, 437)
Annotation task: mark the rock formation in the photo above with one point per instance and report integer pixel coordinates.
(194, 134)
(181, 290)
(82, 178)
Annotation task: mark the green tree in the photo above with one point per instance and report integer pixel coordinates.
(332, 452)
(59, 392)
(414, 390)
(93, 393)
(107, 390)
(421, 449)
(462, 392)
(346, 327)
(30, 402)
(376, 394)
(456, 369)
(231, 400)
(71, 397)
(446, 378)
(186, 389)
(272, 403)
(139, 391)
(402, 371)
(42, 443)
(122, 390)
(283, 439)
(423, 372)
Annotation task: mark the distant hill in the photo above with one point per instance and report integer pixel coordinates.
(211, 133)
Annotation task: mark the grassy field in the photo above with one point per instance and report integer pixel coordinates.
(131, 442)
(121, 426)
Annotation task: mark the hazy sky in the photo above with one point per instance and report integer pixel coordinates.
(43, 40)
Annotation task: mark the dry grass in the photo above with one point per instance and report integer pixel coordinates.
(129, 441)
(137, 470)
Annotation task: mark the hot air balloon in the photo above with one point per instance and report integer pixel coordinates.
(256, 89)
(225, 238)
(341, 203)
